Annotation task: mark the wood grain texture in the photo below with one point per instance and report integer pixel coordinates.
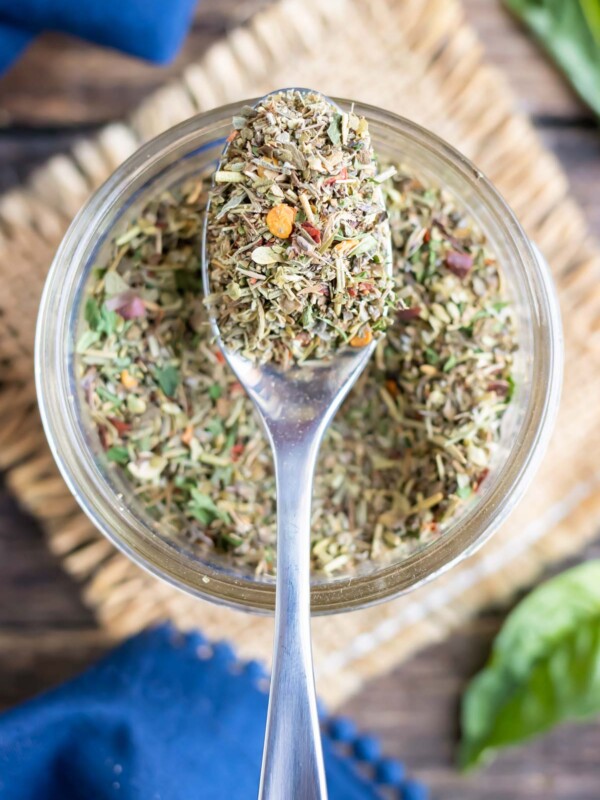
(541, 88)
(64, 89)
(62, 81)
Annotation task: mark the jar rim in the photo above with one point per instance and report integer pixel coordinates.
(166, 560)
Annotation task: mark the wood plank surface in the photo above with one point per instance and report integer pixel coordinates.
(63, 89)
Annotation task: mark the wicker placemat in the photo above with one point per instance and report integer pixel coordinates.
(415, 57)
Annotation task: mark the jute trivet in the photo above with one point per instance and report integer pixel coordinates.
(417, 58)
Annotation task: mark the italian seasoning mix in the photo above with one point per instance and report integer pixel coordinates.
(411, 445)
(297, 233)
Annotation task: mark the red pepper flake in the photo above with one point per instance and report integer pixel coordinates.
(236, 451)
(366, 288)
(313, 232)
(406, 314)
(480, 479)
(427, 236)
(392, 387)
(231, 137)
(103, 435)
(352, 291)
(220, 357)
(304, 338)
(120, 425)
(252, 281)
(459, 263)
(187, 435)
(341, 176)
(432, 526)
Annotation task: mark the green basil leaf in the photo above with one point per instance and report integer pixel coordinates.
(544, 667)
(570, 32)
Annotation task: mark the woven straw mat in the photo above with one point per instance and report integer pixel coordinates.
(417, 58)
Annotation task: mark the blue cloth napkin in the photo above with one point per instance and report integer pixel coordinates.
(150, 29)
(168, 717)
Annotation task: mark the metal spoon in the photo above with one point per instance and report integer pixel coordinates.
(295, 407)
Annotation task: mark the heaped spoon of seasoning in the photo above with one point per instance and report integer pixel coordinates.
(296, 267)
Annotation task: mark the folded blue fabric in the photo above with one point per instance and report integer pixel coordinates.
(13, 40)
(167, 717)
(150, 29)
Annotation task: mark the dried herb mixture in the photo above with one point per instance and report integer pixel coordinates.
(410, 446)
(298, 237)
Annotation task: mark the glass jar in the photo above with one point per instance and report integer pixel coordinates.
(191, 148)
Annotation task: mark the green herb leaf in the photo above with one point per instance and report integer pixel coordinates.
(114, 284)
(431, 356)
(203, 508)
(308, 319)
(265, 255)
(108, 321)
(86, 340)
(333, 131)
(118, 454)
(109, 397)
(450, 364)
(168, 378)
(215, 391)
(92, 313)
(214, 426)
(511, 388)
(570, 31)
(544, 667)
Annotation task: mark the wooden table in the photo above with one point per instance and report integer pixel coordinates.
(63, 89)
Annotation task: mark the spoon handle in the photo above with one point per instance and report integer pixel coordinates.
(293, 757)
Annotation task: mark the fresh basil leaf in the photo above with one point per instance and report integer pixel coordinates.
(168, 379)
(544, 667)
(570, 32)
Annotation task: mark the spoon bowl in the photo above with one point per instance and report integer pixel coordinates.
(295, 407)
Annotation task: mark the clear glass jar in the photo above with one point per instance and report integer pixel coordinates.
(191, 148)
